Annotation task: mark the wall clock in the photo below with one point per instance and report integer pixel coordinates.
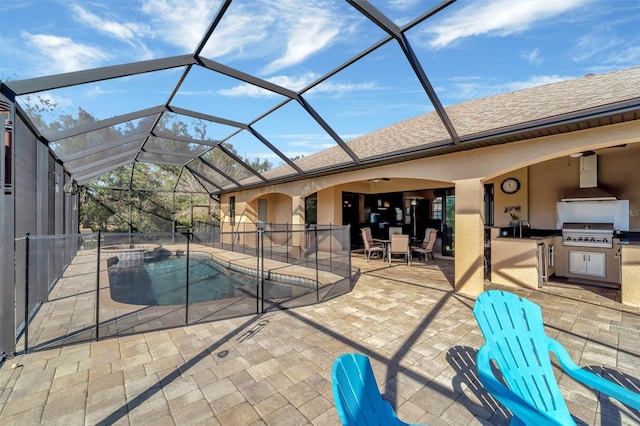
(510, 185)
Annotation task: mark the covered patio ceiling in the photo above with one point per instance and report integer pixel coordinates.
(230, 122)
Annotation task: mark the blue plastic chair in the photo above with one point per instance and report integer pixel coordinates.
(356, 393)
(515, 340)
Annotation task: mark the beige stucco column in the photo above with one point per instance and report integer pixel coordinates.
(297, 219)
(630, 278)
(469, 237)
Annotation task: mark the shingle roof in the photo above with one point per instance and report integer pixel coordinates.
(488, 114)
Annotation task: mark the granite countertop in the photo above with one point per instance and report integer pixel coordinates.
(528, 233)
(629, 242)
(630, 238)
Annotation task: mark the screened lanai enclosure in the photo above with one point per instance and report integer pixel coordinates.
(124, 123)
(85, 185)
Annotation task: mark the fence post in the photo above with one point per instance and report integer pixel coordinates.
(287, 241)
(330, 247)
(244, 235)
(98, 289)
(349, 254)
(315, 232)
(186, 308)
(262, 271)
(258, 270)
(26, 292)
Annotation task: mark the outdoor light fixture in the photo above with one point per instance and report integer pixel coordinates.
(8, 139)
(57, 184)
(70, 187)
(580, 154)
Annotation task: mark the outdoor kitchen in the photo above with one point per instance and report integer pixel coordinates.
(593, 241)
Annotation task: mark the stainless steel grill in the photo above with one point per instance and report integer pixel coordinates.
(587, 234)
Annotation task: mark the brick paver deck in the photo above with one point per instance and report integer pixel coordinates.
(274, 369)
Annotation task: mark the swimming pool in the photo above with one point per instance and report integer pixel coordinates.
(162, 282)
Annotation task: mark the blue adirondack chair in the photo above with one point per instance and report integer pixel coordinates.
(515, 340)
(356, 393)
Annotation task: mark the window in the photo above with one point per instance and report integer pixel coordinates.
(232, 210)
(311, 209)
(437, 208)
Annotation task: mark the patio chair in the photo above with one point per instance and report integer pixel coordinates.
(370, 246)
(426, 248)
(400, 246)
(515, 340)
(356, 394)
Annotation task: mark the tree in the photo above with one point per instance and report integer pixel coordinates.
(144, 197)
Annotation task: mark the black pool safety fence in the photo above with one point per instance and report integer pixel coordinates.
(90, 286)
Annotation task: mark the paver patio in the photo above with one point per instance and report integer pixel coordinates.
(274, 368)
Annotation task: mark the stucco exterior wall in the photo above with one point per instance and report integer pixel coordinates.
(630, 275)
(469, 223)
(542, 165)
(485, 163)
(514, 262)
(502, 200)
(279, 206)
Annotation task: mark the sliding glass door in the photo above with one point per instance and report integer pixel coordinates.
(445, 201)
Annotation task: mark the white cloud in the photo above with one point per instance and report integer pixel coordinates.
(341, 89)
(625, 56)
(496, 17)
(404, 4)
(465, 88)
(93, 91)
(246, 90)
(309, 35)
(316, 141)
(537, 80)
(608, 49)
(312, 144)
(236, 33)
(288, 82)
(128, 32)
(64, 55)
(196, 92)
(532, 56)
(290, 31)
(591, 45)
(296, 84)
(178, 22)
(609, 45)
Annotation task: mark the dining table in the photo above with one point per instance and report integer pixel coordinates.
(387, 247)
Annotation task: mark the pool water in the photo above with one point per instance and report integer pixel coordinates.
(162, 282)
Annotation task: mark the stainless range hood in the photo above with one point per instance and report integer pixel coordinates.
(589, 190)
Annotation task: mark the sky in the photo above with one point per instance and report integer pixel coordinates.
(469, 50)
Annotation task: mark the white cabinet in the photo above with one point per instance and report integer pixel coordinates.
(587, 263)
